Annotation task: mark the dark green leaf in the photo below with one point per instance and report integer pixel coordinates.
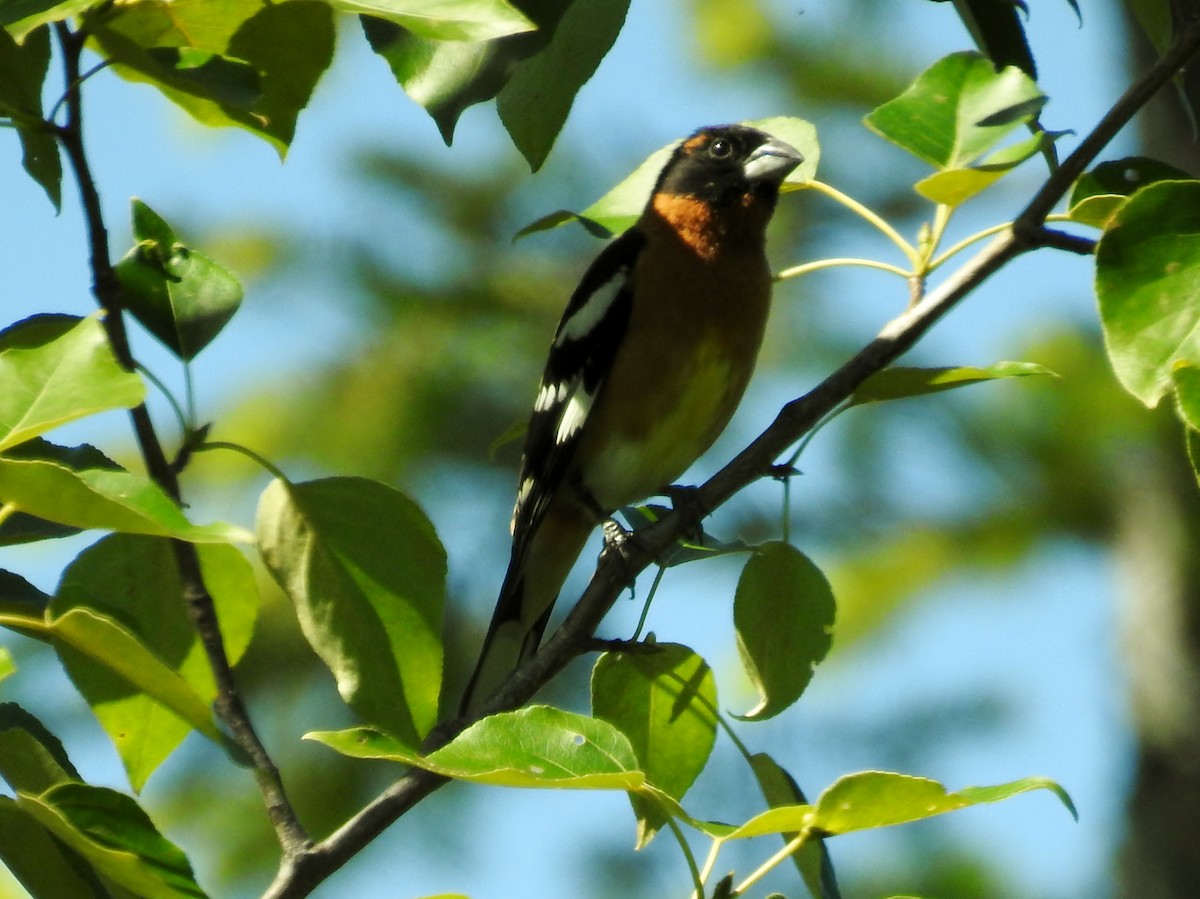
(1148, 284)
(899, 382)
(664, 700)
(15, 589)
(812, 858)
(957, 110)
(366, 573)
(135, 580)
(116, 837)
(22, 71)
(539, 91)
(31, 758)
(64, 378)
(998, 31)
(536, 746)
(101, 498)
(43, 865)
(783, 612)
(1098, 194)
(20, 17)
(181, 296)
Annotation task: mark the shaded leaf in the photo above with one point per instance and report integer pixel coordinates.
(812, 858)
(663, 700)
(22, 527)
(1148, 285)
(538, 746)
(446, 20)
(23, 69)
(31, 758)
(957, 110)
(20, 17)
(998, 31)
(52, 378)
(1098, 194)
(135, 580)
(366, 573)
(101, 498)
(43, 865)
(783, 611)
(181, 296)
(116, 837)
(900, 382)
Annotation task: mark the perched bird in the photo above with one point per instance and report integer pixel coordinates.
(648, 364)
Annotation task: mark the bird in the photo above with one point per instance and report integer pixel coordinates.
(648, 363)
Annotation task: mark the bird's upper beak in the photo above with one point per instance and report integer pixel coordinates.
(772, 160)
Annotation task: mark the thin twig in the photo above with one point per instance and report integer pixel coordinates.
(301, 874)
(199, 604)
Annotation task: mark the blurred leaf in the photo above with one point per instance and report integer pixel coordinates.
(1098, 194)
(537, 96)
(1186, 378)
(620, 207)
(957, 110)
(446, 20)
(20, 17)
(135, 580)
(664, 701)
(42, 865)
(538, 746)
(116, 838)
(31, 758)
(1156, 20)
(101, 498)
(229, 62)
(22, 71)
(7, 666)
(996, 27)
(731, 32)
(900, 382)
(1148, 284)
(57, 378)
(181, 296)
(366, 573)
(783, 611)
(812, 858)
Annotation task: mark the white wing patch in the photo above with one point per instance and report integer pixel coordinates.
(574, 415)
(550, 396)
(590, 314)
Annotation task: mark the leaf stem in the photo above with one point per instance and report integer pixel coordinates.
(250, 454)
(771, 863)
(197, 600)
(808, 267)
(637, 631)
(170, 398)
(909, 251)
(693, 868)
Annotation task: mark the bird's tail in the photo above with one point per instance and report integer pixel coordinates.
(527, 597)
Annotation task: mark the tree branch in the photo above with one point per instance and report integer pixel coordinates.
(617, 570)
(199, 604)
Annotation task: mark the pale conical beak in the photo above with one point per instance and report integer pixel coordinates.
(773, 160)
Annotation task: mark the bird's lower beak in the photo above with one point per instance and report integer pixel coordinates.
(773, 160)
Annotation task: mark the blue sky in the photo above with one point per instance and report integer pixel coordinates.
(1043, 636)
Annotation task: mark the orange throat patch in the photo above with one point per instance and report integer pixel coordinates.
(693, 220)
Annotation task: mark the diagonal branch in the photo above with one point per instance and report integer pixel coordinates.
(199, 604)
(616, 571)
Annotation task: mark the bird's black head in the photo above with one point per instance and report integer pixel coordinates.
(723, 163)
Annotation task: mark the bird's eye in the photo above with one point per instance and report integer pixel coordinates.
(720, 149)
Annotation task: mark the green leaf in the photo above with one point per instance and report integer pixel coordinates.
(135, 580)
(900, 382)
(998, 31)
(20, 17)
(8, 667)
(116, 838)
(1148, 285)
(872, 799)
(1186, 377)
(50, 381)
(366, 573)
(812, 858)
(1191, 439)
(101, 498)
(445, 20)
(229, 62)
(21, 527)
(14, 589)
(537, 96)
(1098, 194)
(43, 865)
(957, 110)
(181, 296)
(663, 700)
(953, 187)
(783, 611)
(31, 758)
(23, 69)
(620, 207)
(538, 746)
